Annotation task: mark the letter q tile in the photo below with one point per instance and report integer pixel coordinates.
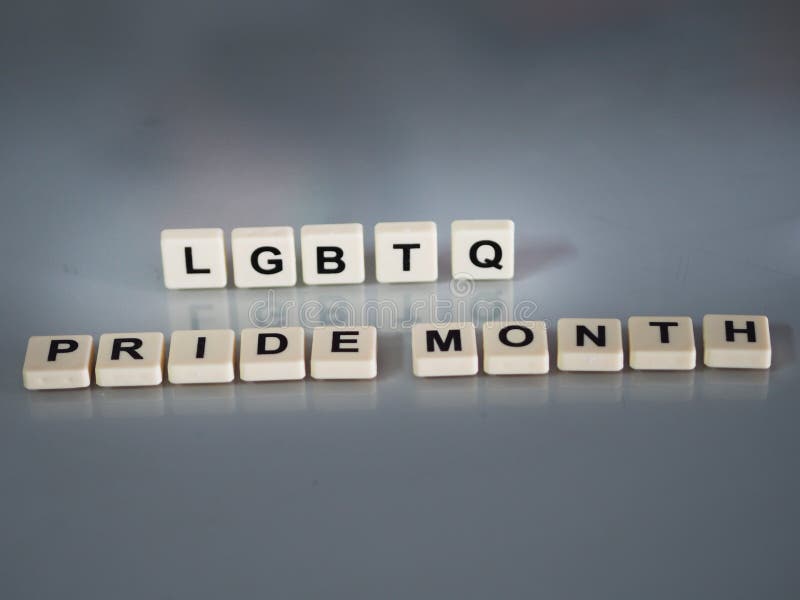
(482, 249)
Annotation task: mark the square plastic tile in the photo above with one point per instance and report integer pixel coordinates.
(332, 254)
(482, 249)
(515, 348)
(55, 362)
(130, 359)
(193, 258)
(274, 354)
(442, 350)
(263, 257)
(344, 353)
(590, 345)
(661, 343)
(406, 252)
(201, 356)
(737, 342)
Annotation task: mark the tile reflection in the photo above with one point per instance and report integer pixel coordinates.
(130, 402)
(60, 404)
(588, 388)
(643, 387)
(279, 396)
(198, 309)
(343, 395)
(446, 392)
(521, 391)
(202, 399)
(734, 385)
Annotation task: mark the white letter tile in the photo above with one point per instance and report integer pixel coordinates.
(201, 356)
(272, 354)
(55, 362)
(344, 353)
(193, 258)
(441, 350)
(590, 345)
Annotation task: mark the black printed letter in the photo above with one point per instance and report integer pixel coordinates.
(131, 347)
(262, 343)
(406, 248)
(750, 330)
(275, 263)
(453, 338)
(664, 327)
(324, 256)
(584, 332)
(527, 336)
(187, 253)
(61, 347)
(336, 346)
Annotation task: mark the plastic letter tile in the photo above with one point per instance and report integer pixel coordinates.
(406, 252)
(661, 343)
(193, 258)
(441, 350)
(515, 348)
(737, 341)
(130, 359)
(58, 362)
(332, 253)
(273, 354)
(263, 257)
(344, 353)
(482, 249)
(201, 356)
(590, 345)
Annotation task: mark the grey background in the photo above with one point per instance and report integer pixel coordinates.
(648, 153)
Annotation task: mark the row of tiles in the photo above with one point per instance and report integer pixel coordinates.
(509, 348)
(405, 252)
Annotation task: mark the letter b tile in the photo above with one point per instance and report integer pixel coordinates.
(332, 254)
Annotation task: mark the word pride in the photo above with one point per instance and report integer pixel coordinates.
(334, 254)
(509, 348)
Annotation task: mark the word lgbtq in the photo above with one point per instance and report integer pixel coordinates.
(509, 348)
(334, 254)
